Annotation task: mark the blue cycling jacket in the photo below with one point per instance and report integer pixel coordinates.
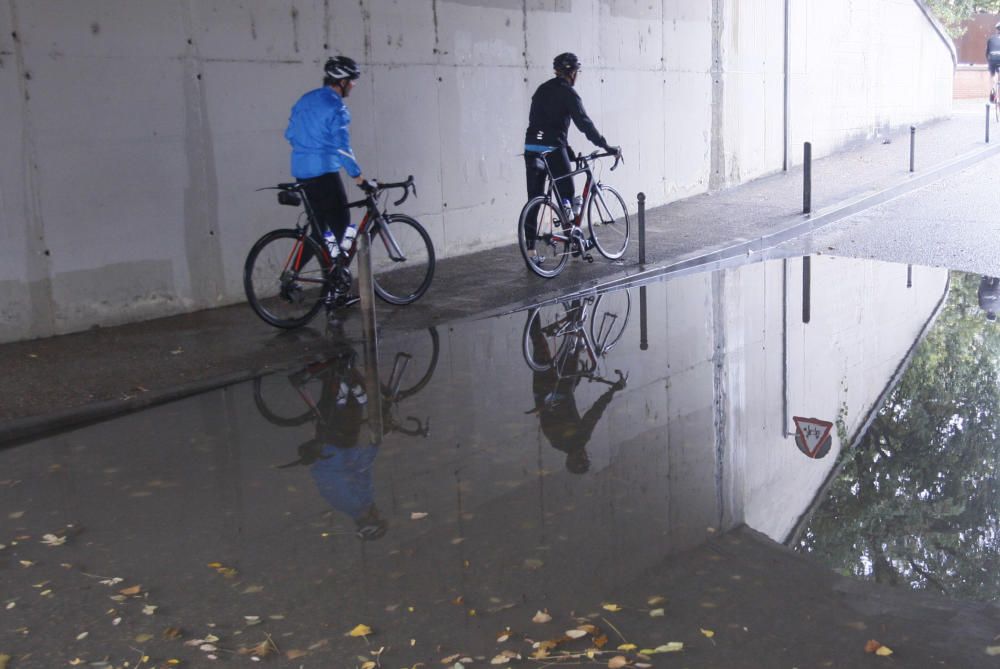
(319, 135)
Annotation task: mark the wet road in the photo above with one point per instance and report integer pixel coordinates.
(592, 466)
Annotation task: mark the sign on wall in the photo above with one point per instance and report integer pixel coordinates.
(812, 436)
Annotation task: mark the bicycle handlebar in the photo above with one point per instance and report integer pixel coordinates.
(407, 186)
(619, 158)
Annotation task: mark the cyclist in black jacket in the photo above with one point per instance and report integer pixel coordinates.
(993, 58)
(553, 105)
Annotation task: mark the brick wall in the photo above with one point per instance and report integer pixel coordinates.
(972, 81)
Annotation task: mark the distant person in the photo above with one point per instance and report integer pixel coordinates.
(318, 130)
(553, 106)
(993, 58)
(989, 296)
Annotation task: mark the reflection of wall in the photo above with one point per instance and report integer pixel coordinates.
(139, 202)
(863, 321)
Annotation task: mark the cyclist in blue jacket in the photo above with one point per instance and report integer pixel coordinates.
(318, 130)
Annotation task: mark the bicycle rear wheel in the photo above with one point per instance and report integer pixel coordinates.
(285, 278)
(609, 318)
(407, 363)
(607, 218)
(547, 331)
(551, 246)
(402, 259)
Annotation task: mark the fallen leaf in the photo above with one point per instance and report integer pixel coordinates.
(576, 634)
(4, 659)
(252, 620)
(708, 633)
(75, 662)
(611, 607)
(627, 647)
(143, 638)
(418, 515)
(214, 565)
(26, 563)
(656, 601)
(360, 630)
(208, 647)
(671, 647)
(500, 659)
(53, 540)
(368, 665)
(993, 650)
(656, 613)
(211, 638)
(252, 589)
(542, 617)
(131, 591)
(172, 633)
(533, 564)
(883, 651)
(601, 641)
(617, 662)
(263, 649)
(10, 605)
(450, 658)
(82, 635)
(149, 609)
(872, 645)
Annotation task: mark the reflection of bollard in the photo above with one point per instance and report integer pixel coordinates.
(909, 276)
(988, 124)
(913, 141)
(642, 228)
(807, 155)
(366, 290)
(643, 335)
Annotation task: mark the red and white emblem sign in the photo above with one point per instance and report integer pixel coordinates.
(812, 436)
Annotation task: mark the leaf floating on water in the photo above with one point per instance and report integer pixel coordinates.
(131, 591)
(627, 647)
(149, 609)
(656, 601)
(4, 659)
(143, 638)
(418, 515)
(617, 662)
(252, 620)
(82, 635)
(360, 630)
(610, 607)
(541, 617)
(172, 633)
(883, 651)
(368, 665)
(295, 654)
(576, 634)
(533, 564)
(708, 633)
(111, 581)
(993, 650)
(656, 613)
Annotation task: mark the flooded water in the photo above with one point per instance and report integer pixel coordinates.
(565, 462)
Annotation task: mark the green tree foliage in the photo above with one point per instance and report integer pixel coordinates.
(952, 13)
(916, 502)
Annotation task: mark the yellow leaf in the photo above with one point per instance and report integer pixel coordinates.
(708, 633)
(993, 650)
(172, 661)
(883, 651)
(671, 647)
(360, 630)
(131, 591)
(214, 565)
(75, 662)
(4, 659)
(656, 601)
(611, 607)
(369, 665)
(627, 647)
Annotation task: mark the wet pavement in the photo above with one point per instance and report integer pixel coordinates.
(701, 471)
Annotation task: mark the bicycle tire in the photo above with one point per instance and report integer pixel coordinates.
(549, 319)
(609, 319)
(996, 109)
(548, 223)
(610, 231)
(422, 358)
(401, 281)
(275, 292)
(269, 392)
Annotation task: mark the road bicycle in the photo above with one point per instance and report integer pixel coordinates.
(289, 275)
(406, 366)
(995, 99)
(573, 336)
(557, 230)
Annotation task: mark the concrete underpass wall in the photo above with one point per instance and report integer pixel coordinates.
(133, 135)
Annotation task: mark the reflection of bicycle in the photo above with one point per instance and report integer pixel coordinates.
(556, 335)
(289, 276)
(556, 231)
(995, 99)
(405, 367)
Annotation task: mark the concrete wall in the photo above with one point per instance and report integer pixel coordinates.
(133, 134)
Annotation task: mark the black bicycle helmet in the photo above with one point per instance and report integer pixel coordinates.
(342, 67)
(566, 62)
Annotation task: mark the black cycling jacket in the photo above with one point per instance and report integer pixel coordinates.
(993, 48)
(552, 106)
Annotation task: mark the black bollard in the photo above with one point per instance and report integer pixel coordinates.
(643, 334)
(642, 228)
(807, 153)
(988, 123)
(913, 141)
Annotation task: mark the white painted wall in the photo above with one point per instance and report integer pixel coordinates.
(133, 134)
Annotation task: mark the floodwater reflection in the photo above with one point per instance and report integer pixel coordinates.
(250, 500)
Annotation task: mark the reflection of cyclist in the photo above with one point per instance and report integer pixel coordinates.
(553, 105)
(989, 296)
(993, 58)
(555, 402)
(341, 467)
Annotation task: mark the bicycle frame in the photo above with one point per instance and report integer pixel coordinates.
(589, 189)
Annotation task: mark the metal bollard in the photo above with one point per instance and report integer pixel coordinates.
(913, 141)
(643, 332)
(642, 228)
(366, 291)
(807, 154)
(988, 123)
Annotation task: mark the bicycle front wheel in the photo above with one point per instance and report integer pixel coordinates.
(607, 218)
(407, 363)
(544, 247)
(609, 318)
(402, 259)
(285, 278)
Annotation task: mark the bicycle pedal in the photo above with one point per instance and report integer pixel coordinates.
(588, 257)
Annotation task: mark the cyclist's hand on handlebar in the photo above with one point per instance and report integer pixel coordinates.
(368, 185)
